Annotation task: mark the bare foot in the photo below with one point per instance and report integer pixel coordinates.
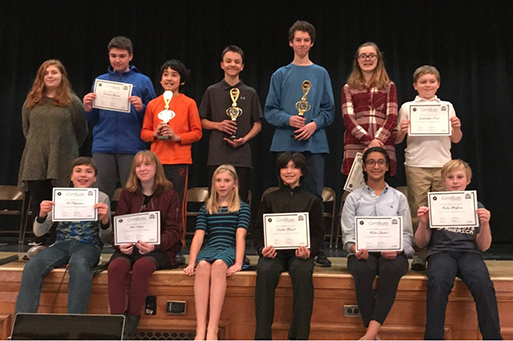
(212, 335)
(200, 335)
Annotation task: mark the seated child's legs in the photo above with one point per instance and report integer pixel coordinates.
(84, 257)
(268, 275)
(301, 271)
(441, 271)
(364, 272)
(118, 273)
(35, 272)
(474, 273)
(390, 273)
(141, 272)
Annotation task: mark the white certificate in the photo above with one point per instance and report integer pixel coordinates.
(112, 95)
(74, 204)
(429, 120)
(449, 209)
(130, 228)
(355, 178)
(286, 231)
(378, 234)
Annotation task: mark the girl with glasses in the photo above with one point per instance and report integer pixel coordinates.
(369, 107)
(376, 198)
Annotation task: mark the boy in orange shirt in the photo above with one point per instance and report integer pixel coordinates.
(172, 140)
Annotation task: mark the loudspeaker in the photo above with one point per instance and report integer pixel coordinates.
(67, 327)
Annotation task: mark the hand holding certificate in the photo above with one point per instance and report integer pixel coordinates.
(112, 95)
(287, 231)
(75, 204)
(131, 228)
(377, 234)
(453, 209)
(429, 120)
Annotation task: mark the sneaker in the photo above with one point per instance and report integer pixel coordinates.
(418, 264)
(180, 259)
(322, 260)
(34, 250)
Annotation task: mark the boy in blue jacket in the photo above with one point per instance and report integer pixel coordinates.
(116, 135)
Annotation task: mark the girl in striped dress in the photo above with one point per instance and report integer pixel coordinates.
(224, 219)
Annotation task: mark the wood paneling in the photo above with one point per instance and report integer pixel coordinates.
(333, 290)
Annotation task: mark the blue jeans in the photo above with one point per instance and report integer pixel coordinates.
(81, 257)
(443, 267)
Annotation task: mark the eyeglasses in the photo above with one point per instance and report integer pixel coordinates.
(380, 162)
(370, 56)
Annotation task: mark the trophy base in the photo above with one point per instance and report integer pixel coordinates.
(163, 137)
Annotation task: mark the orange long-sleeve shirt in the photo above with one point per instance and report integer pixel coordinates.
(185, 124)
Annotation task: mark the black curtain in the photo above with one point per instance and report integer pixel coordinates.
(470, 42)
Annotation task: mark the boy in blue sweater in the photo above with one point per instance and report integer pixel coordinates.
(116, 135)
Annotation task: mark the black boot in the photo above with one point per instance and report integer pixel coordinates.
(131, 323)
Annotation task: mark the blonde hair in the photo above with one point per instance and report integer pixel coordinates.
(454, 165)
(37, 93)
(234, 200)
(380, 79)
(133, 184)
(426, 70)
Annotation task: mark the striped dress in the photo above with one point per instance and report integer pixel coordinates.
(221, 229)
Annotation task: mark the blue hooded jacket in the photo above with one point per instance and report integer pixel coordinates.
(120, 132)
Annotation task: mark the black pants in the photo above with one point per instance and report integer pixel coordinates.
(40, 190)
(268, 275)
(443, 267)
(376, 305)
(179, 176)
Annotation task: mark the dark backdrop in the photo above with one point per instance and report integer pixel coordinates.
(470, 42)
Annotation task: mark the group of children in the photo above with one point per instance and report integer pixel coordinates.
(156, 180)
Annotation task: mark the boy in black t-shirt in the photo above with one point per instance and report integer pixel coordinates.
(456, 251)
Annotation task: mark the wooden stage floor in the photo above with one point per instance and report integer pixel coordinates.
(334, 291)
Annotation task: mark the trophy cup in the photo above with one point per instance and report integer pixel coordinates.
(302, 105)
(166, 115)
(234, 111)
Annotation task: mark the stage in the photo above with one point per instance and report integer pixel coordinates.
(334, 294)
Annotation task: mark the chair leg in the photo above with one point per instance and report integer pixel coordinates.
(337, 236)
(332, 231)
(25, 214)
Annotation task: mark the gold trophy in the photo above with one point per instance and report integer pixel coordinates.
(166, 115)
(302, 105)
(234, 111)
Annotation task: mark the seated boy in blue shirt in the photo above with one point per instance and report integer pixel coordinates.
(456, 251)
(79, 244)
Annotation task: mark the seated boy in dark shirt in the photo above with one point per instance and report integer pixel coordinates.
(456, 251)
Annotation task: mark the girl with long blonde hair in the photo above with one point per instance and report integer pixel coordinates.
(225, 220)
